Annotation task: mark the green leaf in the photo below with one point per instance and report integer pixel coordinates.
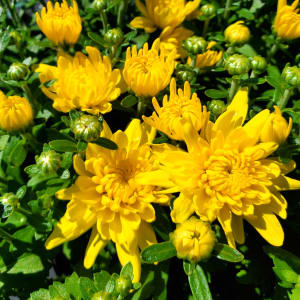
(58, 290)
(74, 114)
(3, 141)
(256, 4)
(97, 38)
(37, 179)
(295, 294)
(32, 170)
(63, 146)
(227, 253)
(67, 160)
(4, 40)
(106, 143)
(111, 284)
(87, 288)
(18, 154)
(101, 279)
(27, 263)
(274, 77)
(198, 284)
(127, 271)
(212, 93)
(158, 252)
(245, 13)
(129, 101)
(41, 294)
(21, 192)
(247, 50)
(72, 286)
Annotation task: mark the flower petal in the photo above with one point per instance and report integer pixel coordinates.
(238, 228)
(183, 208)
(225, 219)
(144, 23)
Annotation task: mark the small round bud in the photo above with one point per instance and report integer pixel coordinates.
(237, 33)
(10, 202)
(258, 64)
(237, 64)
(18, 71)
(99, 5)
(114, 36)
(86, 128)
(184, 73)
(216, 107)
(102, 295)
(291, 75)
(208, 10)
(49, 161)
(194, 45)
(123, 286)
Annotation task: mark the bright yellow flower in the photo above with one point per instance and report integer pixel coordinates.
(276, 129)
(162, 13)
(179, 107)
(227, 176)
(237, 33)
(15, 112)
(193, 239)
(86, 83)
(106, 198)
(209, 58)
(171, 39)
(61, 23)
(147, 72)
(287, 20)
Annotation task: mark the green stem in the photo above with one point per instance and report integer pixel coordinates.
(205, 27)
(104, 20)
(25, 212)
(285, 98)
(193, 62)
(30, 97)
(6, 236)
(272, 51)
(121, 13)
(227, 9)
(233, 88)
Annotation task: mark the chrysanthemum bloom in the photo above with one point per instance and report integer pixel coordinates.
(86, 83)
(209, 58)
(61, 23)
(237, 33)
(276, 128)
(227, 176)
(162, 13)
(15, 112)
(193, 239)
(106, 198)
(171, 39)
(147, 72)
(287, 20)
(179, 107)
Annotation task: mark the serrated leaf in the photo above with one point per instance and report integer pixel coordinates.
(58, 290)
(227, 253)
(27, 263)
(129, 101)
(106, 143)
(63, 146)
(127, 271)
(87, 288)
(158, 252)
(41, 294)
(101, 279)
(72, 286)
(212, 93)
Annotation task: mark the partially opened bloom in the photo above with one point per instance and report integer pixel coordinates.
(209, 58)
(287, 20)
(61, 23)
(237, 33)
(228, 176)
(15, 112)
(107, 198)
(180, 106)
(147, 72)
(84, 82)
(162, 13)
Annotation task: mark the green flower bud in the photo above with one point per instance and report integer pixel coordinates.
(99, 5)
(10, 202)
(123, 286)
(291, 75)
(258, 64)
(114, 36)
(208, 10)
(17, 38)
(49, 161)
(86, 128)
(194, 45)
(237, 64)
(18, 71)
(216, 107)
(102, 295)
(184, 73)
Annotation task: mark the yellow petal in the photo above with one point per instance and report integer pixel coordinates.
(158, 178)
(146, 235)
(144, 23)
(225, 217)
(66, 194)
(284, 183)
(183, 208)
(79, 167)
(238, 228)
(134, 133)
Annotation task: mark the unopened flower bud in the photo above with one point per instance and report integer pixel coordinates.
(99, 5)
(18, 71)
(114, 36)
(102, 295)
(216, 107)
(194, 45)
(193, 239)
(237, 33)
(184, 73)
(258, 64)
(10, 202)
(17, 38)
(276, 128)
(123, 286)
(237, 64)
(291, 75)
(208, 10)
(86, 128)
(49, 161)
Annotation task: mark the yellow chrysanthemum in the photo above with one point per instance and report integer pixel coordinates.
(86, 83)
(147, 72)
(227, 176)
(237, 33)
(287, 20)
(209, 58)
(15, 112)
(171, 39)
(179, 107)
(162, 13)
(106, 198)
(61, 23)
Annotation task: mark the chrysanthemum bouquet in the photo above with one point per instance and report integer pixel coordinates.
(170, 130)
